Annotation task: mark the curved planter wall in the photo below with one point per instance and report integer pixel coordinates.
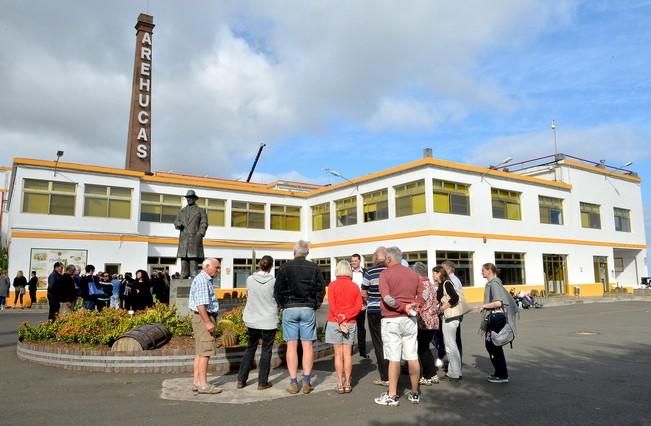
(156, 361)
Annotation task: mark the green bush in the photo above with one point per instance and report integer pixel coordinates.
(93, 327)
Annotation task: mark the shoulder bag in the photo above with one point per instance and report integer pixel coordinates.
(458, 310)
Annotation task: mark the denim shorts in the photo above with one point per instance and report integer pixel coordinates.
(299, 324)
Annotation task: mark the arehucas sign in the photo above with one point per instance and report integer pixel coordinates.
(139, 138)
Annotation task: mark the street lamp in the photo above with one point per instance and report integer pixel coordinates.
(504, 162)
(56, 163)
(339, 175)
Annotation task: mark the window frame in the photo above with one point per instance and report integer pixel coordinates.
(204, 203)
(498, 198)
(619, 219)
(585, 209)
(409, 194)
(381, 205)
(161, 203)
(549, 206)
(107, 197)
(284, 215)
(351, 211)
(249, 212)
(50, 192)
(439, 188)
(324, 214)
(500, 263)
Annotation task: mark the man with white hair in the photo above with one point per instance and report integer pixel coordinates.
(204, 307)
(402, 293)
(299, 291)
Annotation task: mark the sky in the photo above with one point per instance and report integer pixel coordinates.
(354, 86)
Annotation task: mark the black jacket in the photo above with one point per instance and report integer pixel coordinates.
(299, 283)
(84, 288)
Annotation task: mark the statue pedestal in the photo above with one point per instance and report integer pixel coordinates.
(179, 294)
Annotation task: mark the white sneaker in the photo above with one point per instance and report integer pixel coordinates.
(385, 399)
(439, 363)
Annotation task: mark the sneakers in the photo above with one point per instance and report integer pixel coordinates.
(424, 381)
(414, 398)
(292, 388)
(495, 379)
(453, 379)
(435, 379)
(307, 388)
(439, 363)
(385, 399)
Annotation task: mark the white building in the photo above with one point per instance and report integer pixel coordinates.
(556, 226)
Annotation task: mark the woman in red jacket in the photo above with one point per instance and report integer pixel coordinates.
(345, 301)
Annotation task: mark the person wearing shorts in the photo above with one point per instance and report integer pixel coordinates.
(299, 291)
(345, 304)
(204, 307)
(401, 291)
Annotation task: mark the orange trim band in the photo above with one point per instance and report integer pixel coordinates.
(595, 169)
(288, 245)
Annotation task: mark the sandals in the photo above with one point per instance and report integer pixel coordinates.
(380, 382)
(343, 389)
(208, 390)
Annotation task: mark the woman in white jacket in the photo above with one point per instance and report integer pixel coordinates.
(261, 317)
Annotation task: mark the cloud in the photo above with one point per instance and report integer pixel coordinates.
(592, 143)
(227, 76)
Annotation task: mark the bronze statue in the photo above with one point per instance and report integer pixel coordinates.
(192, 221)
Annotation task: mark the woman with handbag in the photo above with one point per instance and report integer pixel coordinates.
(448, 300)
(428, 323)
(498, 309)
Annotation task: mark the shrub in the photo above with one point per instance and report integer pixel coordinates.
(92, 327)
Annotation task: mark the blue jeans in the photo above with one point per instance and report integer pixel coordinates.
(299, 324)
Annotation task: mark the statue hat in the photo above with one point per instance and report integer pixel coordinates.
(191, 194)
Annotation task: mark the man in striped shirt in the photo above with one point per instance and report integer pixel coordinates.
(371, 296)
(204, 307)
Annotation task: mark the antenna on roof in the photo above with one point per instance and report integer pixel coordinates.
(255, 162)
(555, 144)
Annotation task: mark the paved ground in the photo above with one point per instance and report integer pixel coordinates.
(561, 373)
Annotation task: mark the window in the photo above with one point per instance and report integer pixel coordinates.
(511, 266)
(590, 217)
(324, 265)
(622, 220)
(242, 268)
(551, 210)
(321, 217)
(415, 256)
(247, 215)
(161, 260)
(215, 210)
(107, 201)
(410, 198)
(48, 197)
(376, 205)
(462, 264)
(451, 197)
(555, 270)
(286, 218)
(346, 211)
(159, 207)
(506, 204)
(619, 265)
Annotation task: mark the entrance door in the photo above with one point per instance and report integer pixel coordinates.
(555, 269)
(601, 272)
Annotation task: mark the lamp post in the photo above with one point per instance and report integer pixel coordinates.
(339, 175)
(56, 163)
(504, 162)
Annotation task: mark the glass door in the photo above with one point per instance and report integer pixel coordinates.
(555, 270)
(601, 272)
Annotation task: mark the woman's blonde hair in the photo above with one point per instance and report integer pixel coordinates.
(343, 268)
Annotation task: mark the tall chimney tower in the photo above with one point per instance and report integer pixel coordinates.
(139, 138)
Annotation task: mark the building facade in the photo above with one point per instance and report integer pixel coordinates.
(565, 227)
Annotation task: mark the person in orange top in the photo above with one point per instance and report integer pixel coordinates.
(345, 302)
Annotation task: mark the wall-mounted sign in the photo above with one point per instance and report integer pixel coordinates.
(42, 261)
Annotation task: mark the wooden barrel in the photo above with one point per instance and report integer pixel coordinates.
(142, 338)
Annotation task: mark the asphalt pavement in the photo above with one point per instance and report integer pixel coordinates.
(575, 364)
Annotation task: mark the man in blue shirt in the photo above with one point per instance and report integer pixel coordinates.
(204, 307)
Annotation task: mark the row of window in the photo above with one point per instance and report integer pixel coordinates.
(58, 198)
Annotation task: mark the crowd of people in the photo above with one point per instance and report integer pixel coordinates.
(69, 289)
(407, 315)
